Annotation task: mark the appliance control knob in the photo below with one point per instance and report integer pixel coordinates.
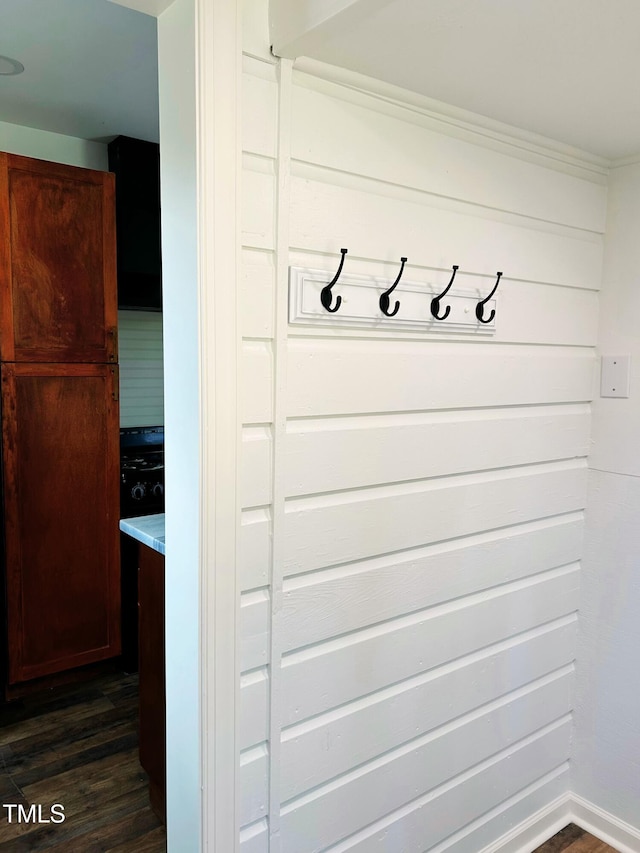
(158, 490)
(138, 492)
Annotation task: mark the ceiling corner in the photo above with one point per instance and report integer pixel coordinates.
(300, 27)
(147, 7)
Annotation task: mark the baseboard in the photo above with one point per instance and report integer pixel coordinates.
(605, 826)
(569, 808)
(529, 835)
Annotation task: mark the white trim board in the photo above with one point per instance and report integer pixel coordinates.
(604, 825)
(571, 808)
(213, 80)
(542, 826)
(218, 89)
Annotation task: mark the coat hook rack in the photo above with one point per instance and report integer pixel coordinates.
(483, 302)
(314, 300)
(435, 303)
(326, 295)
(384, 299)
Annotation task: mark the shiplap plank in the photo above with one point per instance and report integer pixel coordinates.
(254, 548)
(324, 217)
(140, 355)
(431, 818)
(355, 801)
(259, 107)
(146, 414)
(326, 604)
(255, 608)
(340, 670)
(257, 382)
(141, 372)
(255, 467)
(542, 314)
(331, 745)
(255, 838)
(257, 294)
(254, 707)
(438, 164)
(254, 783)
(504, 818)
(337, 528)
(136, 325)
(348, 377)
(368, 451)
(258, 205)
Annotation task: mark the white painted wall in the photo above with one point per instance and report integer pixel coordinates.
(606, 755)
(32, 142)
(413, 503)
(176, 50)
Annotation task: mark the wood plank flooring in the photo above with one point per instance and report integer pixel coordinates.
(572, 839)
(77, 746)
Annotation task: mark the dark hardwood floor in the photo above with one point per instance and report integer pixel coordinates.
(572, 839)
(76, 746)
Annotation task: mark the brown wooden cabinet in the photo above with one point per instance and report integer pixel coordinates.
(57, 262)
(60, 435)
(60, 422)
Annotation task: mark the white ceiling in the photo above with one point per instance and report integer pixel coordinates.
(566, 69)
(91, 68)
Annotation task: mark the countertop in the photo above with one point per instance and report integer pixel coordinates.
(148, 529)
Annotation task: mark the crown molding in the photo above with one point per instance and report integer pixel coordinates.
(453, 121)
(631, 160)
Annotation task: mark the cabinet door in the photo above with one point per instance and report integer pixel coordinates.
(58, 262)
(61, 502)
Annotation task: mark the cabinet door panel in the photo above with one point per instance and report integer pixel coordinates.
(59, 280)
(61, 499)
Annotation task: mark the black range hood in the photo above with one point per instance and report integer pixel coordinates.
(136, 164)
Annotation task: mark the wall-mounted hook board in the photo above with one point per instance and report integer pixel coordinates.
(360, 304)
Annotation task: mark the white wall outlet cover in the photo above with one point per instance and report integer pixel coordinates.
(614, 376)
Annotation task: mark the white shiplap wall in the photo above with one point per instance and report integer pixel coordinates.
(141, 375)
(413, 503)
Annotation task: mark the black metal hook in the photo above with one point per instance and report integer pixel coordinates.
(325, 293)
(384, 299)
(482, 303)
(435, 303)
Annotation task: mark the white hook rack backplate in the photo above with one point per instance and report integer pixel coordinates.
(360, 304)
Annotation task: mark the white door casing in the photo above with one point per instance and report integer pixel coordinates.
(199, 92)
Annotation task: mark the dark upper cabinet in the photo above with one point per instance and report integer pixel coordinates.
(60, 493)
(136, 165)
(57, 262)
